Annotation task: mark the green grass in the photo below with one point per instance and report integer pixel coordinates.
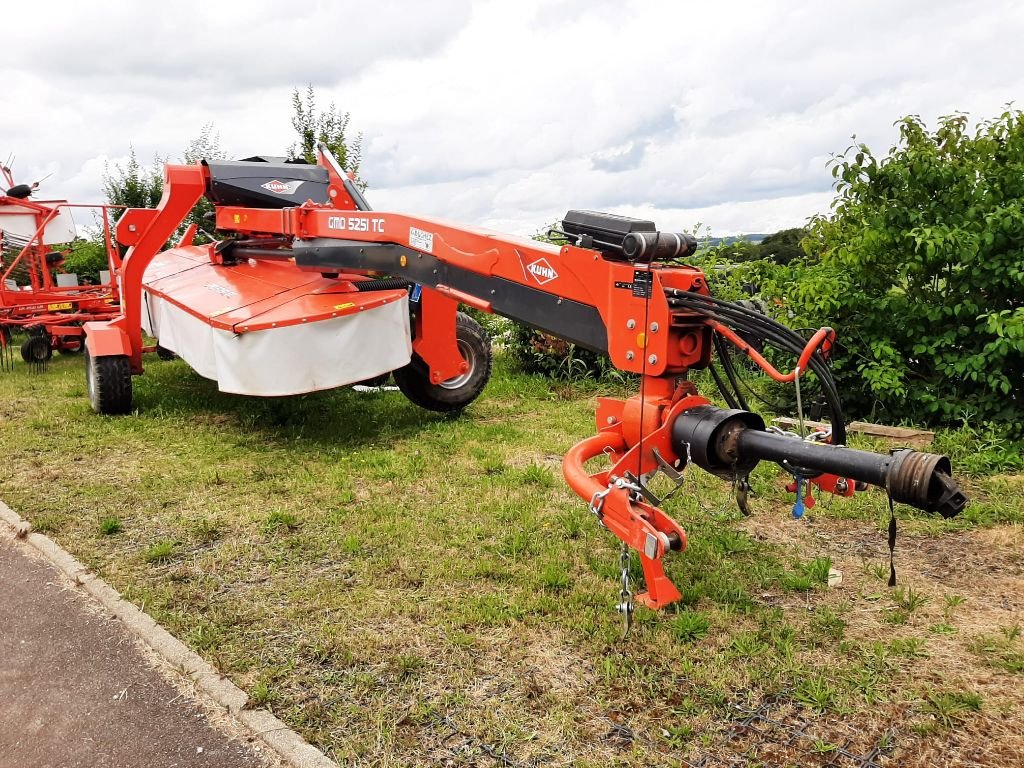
(367, 570)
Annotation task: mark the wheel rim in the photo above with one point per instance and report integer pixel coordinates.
(466, 350)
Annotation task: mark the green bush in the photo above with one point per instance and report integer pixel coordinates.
(86, 258)
(922, 273)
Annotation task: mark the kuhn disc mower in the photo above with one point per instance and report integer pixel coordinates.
(309, 288)
(33, 296)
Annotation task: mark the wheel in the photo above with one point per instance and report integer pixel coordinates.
(71, 345)
(108, 380)
(36, 349)
(458, 392)
(164, 353)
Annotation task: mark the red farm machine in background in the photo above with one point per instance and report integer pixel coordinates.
(307, 288)
(36, 297)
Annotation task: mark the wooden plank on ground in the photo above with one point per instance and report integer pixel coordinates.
(909, 436)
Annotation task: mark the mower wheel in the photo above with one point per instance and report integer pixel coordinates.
(108, 380)
(458, 392)
(36, 349)
(71, 345)
(164, 353)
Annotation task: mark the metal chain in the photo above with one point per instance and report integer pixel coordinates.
(625, 606)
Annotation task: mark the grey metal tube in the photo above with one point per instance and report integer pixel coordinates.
(732, 442)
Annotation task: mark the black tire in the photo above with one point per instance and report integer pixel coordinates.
(108, 381)
(71, 345)
(164, 353)
(456, 393)
(36, 349)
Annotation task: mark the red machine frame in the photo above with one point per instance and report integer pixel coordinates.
(59, 311)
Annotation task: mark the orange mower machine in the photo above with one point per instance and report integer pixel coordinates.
(307, 275)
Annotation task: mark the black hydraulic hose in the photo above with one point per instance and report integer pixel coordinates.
(727, 395)
(742, 318)
(730, 371)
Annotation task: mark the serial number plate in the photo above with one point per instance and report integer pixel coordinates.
(421, 240)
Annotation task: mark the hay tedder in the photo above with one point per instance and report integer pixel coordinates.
(34, 297)
(307, 288)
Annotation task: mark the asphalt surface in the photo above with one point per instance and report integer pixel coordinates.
(77, 690)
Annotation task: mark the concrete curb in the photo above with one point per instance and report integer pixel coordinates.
(291, 747)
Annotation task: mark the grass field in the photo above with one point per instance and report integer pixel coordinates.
(406, 589)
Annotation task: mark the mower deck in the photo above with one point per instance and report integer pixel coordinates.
(265, 328)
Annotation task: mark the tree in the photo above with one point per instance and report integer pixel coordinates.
(922, 272)
(206, 146)
(134, 186)
(783, 246)
(329, 127)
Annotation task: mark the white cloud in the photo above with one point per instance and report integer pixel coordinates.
(506, 113)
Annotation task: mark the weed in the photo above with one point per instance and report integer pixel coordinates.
(880, 571)
(110, 525)
(827, 626)
(263, 694)
(908, 647)
(160, 552)
(280, 521)
(950, 708)
(206, 529)
(205, 637)
(816, 692)
(406, 665)
(896, 616)
(908, 599)
(690, 626)
(537, 475)
(554, 577)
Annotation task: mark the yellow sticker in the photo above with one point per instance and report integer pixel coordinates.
(238, 219)
(403, 261)
(56, 307)
(345, 306)
(641, 340)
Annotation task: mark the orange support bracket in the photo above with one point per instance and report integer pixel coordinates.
(435, 340)
(146, 232)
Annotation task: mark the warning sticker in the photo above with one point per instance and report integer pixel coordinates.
(420, 240)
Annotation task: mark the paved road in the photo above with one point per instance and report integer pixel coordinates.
(76, 690)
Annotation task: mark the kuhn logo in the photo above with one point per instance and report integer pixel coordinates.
(281, 187)
(542, 271)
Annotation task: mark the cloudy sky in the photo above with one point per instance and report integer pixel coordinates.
(506, 113)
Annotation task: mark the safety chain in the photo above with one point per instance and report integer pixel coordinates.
(625, 605)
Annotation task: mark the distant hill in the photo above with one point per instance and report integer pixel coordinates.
(752, 238)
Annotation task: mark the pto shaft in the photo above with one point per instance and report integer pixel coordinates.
(728, 442)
